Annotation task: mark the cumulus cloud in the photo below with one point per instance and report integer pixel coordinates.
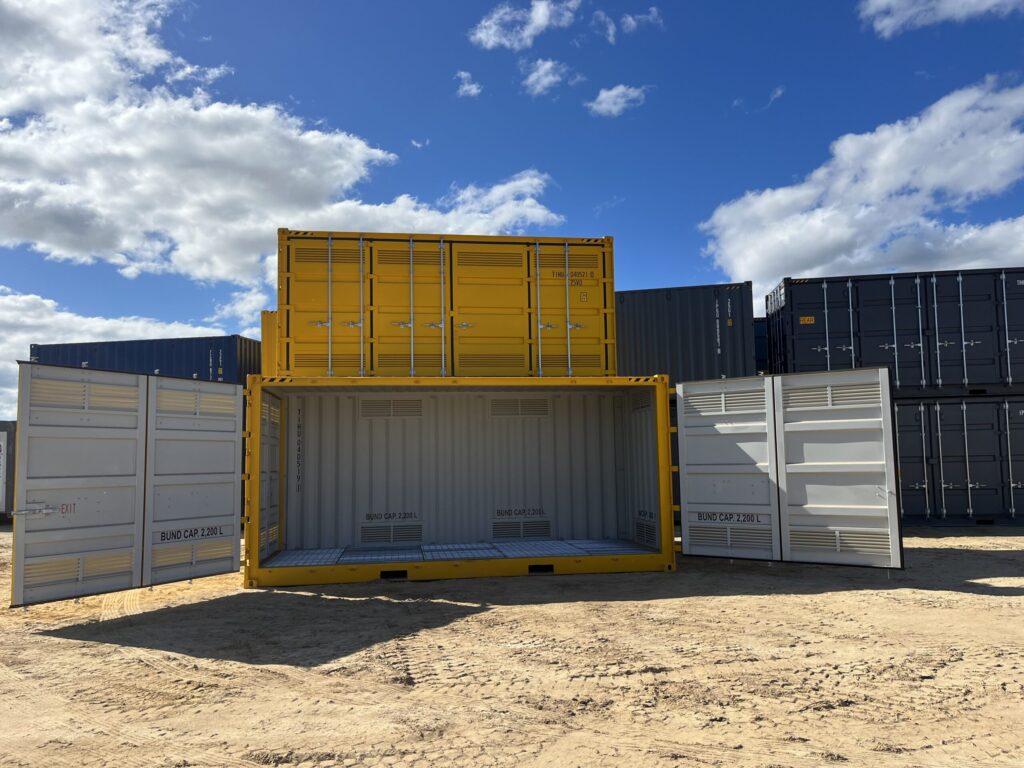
(467, 86)
(103, 159)
(543, 75)
(877, 204)
(891, 17)
(27, 319)
(631, 23)
(612, 102)
(420, 144)
(516, 28)
(605, 25)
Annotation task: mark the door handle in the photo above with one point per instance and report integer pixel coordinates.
(465, 325)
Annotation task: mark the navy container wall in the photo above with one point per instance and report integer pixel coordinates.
(942, 333)
(690, 333)
(212, 358)
(761, 344)
(961, 459)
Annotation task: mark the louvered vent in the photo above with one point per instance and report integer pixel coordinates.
(516, 529)
(750, 538)
(113, 397)
(706, 536)
(805, 397)
(305, 254)
(864, 542)
(646, 534)
(485, 259)
(814, 540)
(520, 406)
(52, 393)
(857, 394)
(176, 401)
(491, 361)
(401, 258)
(221, 405)
(703, 404)
(744, 401)
(307, 360)
(377, 409)
(578, 361)
(575, 262)
(406, 533)
(400, 360)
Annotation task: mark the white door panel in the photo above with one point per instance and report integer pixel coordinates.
(837, 478)
(193, 479)
(728, 497)
(79, 523)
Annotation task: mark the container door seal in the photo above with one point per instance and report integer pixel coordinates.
(78, 517)
(838, 500)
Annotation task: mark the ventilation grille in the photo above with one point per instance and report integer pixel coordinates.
(492, 361)
(307, 360)
(833, 395)
(53, 393)
(575, 262)
(864, 542)
(646, 533)
(750, 538)
(399, 360)
(270, 412)
(521, 529)
(318, 254)
(724, 402)
(408, 533)
(195, 403)
(520, 406)
(705, 536)
(377, 409)
(562, 361)
(809, 540)
(484, 259)
(401, 258)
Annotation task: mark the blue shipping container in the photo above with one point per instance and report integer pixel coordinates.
(208, 358)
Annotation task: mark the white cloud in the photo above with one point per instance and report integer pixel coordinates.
(542, 75)
(877, 204)
(631, 23)
(612, 102)
(467, 86)
(95, 166)
(420, 144)
(891, 17)
(516, 28)
(243, 307)
(605, 25)
(27, 319)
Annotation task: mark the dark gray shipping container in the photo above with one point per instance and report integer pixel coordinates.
(761, 344)
(8, 444)
(691, 333)
(941, 333)
(961, 459)
(206, 358)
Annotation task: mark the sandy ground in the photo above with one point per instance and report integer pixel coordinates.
(722, 663)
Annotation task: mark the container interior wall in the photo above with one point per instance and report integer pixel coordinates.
(432, 466)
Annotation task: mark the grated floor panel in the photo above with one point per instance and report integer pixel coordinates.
(469, 551)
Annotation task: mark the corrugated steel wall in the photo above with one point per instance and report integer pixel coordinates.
(470, 466)
(211, 358)
(691, 333)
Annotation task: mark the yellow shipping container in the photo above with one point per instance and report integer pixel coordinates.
(355, 479)
(371, 304)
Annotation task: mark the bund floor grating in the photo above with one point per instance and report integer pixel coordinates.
(469, 551)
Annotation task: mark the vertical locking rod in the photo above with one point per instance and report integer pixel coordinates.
(568, 320)
(444, 338)
(540, 356)
(330, 305)
(362, 313)
(412, 316)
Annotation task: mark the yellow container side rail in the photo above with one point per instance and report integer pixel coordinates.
(257, 576)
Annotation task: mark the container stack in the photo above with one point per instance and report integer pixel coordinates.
(436, 406)
(953, 343)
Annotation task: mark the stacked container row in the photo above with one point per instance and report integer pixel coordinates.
(362, 304)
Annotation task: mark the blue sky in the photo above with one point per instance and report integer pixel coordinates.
(145, 169)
